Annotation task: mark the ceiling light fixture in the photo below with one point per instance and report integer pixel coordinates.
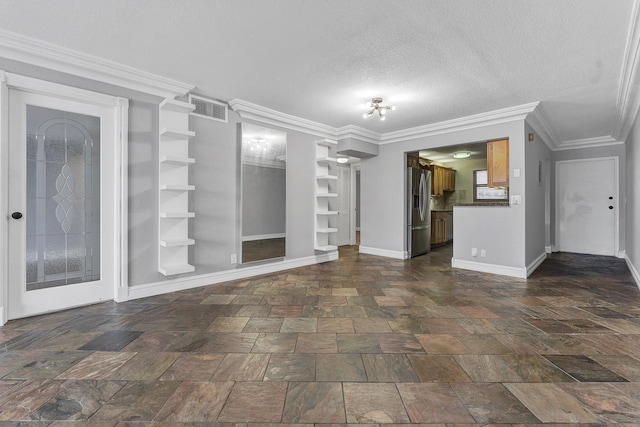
(343, 159)
(374, 106)
(461, 154)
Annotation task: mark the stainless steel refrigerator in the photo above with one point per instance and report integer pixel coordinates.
(419, 211)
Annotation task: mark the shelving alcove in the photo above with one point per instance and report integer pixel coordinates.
(173, 180)
(326, 196)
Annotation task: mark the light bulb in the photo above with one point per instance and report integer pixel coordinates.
(365, 115)
(382, 118)
(383, 111)
(393, 108)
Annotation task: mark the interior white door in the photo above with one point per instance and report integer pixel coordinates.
(587, 206)
(61, 155)
(344, 208)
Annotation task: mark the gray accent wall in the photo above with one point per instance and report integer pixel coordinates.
(537, 159)
(215, 227)
(383, 219)
(214, 201)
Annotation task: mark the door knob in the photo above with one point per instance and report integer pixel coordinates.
(610, 207)
(610, 198)
(16, 215)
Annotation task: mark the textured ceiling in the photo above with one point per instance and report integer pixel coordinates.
(321, 60)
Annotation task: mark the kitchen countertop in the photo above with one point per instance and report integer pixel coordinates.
(483, 204)
(441, 210)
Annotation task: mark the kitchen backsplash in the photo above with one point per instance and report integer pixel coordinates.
(447, 201)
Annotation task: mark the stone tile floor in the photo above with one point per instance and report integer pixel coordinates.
(362, 340)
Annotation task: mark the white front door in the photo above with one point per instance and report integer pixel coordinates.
(60, 203)
(587, 206)
(344, 209)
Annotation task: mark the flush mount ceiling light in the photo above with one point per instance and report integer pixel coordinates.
(461, 154)
(343, 159)
(375, 106)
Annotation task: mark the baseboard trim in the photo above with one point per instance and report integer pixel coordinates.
(3, 319)
(622, 254)
(548, 249)
(536, 263)
(383, 252)
(634, 271)
(122, 294)
(502, 270)
(159, 288)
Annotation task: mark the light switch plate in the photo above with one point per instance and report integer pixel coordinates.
(516, 199)
(516, 173)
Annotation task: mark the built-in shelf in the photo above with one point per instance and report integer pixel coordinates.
(170, 270)
(177, 106)
(177, 187)
(326, 202)
(179, 242)
(173, 183)
(176, 134)
(326, 248)
(168, 215)
(327, 230)
(175, 160)
(328, 177)
(325, 160)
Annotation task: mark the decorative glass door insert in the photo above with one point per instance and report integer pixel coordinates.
(63, 198)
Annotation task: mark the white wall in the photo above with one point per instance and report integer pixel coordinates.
(632, 209)
(501, 230)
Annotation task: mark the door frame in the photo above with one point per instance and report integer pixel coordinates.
(355, 168)
(616, 191)
(119, 169)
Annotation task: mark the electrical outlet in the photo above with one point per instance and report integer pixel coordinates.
(474, 252)
(234, 259)
(483, 253)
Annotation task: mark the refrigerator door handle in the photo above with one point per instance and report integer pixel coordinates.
(422, 197)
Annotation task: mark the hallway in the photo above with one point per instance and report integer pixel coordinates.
(360, 340)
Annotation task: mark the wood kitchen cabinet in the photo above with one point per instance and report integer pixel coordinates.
(498, 163)
(439, 225)
(443, 179)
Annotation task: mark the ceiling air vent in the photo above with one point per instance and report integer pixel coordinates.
(209, 108)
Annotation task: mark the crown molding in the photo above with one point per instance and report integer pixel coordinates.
(356, 132)
(504, 115)
(538, 121)
(20, 48)
(248, 110)
(598, 141)
(628, 101)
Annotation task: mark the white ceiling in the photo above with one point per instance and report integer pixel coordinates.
(435, 60)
